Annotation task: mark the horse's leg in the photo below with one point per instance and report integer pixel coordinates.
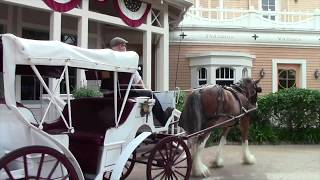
(248, 158)
(198, 168)
(218, 162)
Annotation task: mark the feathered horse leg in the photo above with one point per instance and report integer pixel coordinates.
(248, 158)
(218, 162)
(198, 168)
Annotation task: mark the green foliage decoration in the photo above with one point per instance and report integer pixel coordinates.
(86, 92)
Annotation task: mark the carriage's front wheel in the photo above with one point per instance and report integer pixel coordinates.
(36, 162)
(169, 159)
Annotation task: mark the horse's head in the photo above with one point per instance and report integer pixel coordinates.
(250, 89)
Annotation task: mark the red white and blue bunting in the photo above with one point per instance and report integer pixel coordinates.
(132, 12)
(62, 5)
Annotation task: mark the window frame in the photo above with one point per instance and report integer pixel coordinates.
(231, 71)
(200, 78)
(270, 15)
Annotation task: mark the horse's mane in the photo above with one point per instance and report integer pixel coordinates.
(239, 86)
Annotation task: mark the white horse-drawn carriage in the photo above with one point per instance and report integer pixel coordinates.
(92, 138)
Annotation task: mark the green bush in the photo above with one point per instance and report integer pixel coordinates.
(180, 100)
(294, 109)
(86, 92)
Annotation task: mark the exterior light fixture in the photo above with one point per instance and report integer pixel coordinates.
(316, 74)
(262, 73)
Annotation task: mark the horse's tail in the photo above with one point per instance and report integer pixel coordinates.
(192, 116)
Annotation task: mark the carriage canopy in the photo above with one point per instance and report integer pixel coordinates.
(53, 56)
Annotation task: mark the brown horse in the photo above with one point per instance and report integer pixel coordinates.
(211, 105)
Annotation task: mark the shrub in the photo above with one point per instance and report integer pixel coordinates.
(180, 100)
(86, 92)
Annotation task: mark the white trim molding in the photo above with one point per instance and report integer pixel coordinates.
(303, 68)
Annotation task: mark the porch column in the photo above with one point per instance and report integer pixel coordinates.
(147, 54)
(162, 63)
(83, 29)
(55, 34)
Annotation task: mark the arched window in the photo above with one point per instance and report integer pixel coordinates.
(244, 73)
(224, 76)
(287, 78)
(269, 6)
(202, 76)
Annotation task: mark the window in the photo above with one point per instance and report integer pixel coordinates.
(31, 87)
(202, 76)
(225, 76)
(270, 6)
(287, 78)
(1, 28)
(30, 84)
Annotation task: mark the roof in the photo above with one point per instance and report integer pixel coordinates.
(21, 51)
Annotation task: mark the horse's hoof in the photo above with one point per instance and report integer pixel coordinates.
(218, 163)
(201, 171)
(249, 159)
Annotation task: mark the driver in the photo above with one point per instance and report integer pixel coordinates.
(120, 44)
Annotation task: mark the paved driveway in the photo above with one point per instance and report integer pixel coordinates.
(280, 162)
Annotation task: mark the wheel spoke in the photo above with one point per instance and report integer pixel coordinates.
(40, 166)
(176, 148)
(165, 160)
(25, 164)
(181, 167)
(53, 169)
(8, 172)
(156, 168)
(163, 176)
(180, 161)
(159, 174)
(179, 173)
(167, 151)
(175, 176)
(64, 178)
(178, 156)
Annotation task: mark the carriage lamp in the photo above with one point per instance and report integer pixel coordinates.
(316, 74)
(144, 109)
(262, 73)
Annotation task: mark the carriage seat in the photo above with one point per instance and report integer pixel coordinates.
(91, 117)
(27, 113)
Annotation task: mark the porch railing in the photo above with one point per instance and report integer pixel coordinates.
(252, 17)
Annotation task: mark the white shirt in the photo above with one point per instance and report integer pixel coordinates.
(136, 78)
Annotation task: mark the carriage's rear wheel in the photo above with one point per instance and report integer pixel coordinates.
(169, 159)
(36, 162)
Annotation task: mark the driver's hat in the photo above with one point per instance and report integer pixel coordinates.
(116, 41)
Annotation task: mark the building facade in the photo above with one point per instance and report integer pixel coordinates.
(222, 41)
(92, 25)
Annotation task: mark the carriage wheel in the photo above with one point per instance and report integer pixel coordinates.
(169, 159)
(36, 162)
(127, 168)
